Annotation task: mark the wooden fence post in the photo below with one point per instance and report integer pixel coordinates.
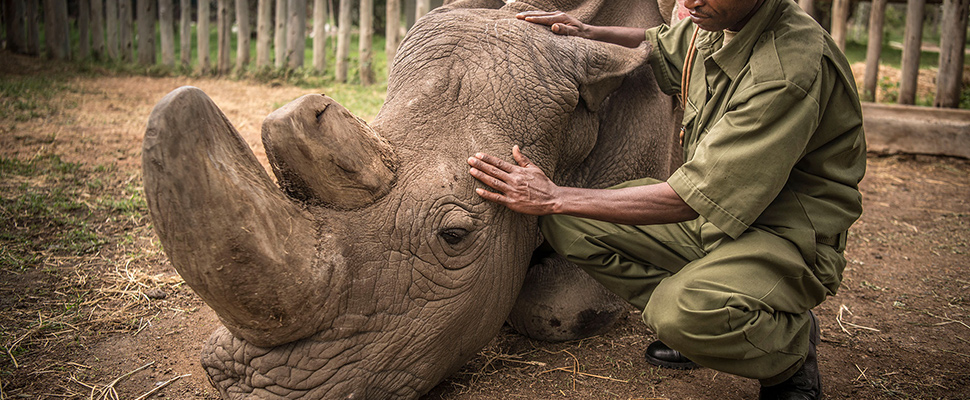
(392, 34)
(296, 34)
(343, 40)
(877, 18)
(223, 36)
(912, 47)
(15, 22)
(97, 29)
(365, 46)
(840, 18)
(56, 29)
(264, 23)
(320, 35)
(242, 35)
(111, 27)
(166, 29)
(33, 27)
(126, 20)
(185, 33)
(420, 8)
(84, 29)
(808, 6)
(202, 34)
(146, 31)
(949, 80)
(279, 35)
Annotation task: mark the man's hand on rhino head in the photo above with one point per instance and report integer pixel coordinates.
(564, 24)
(523, 188)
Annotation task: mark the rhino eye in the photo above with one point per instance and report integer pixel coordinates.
(452, 236)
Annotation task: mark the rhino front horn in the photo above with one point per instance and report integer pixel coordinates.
(248, 250)
(324, 155)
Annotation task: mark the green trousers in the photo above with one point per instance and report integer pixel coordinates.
(735, 305)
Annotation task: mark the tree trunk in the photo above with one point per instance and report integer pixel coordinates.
(242, 35)
(420, 8)
(264, 38)
(808, 6)
(877, 17)
(55, 29)
(185, 33)
(166, 29)
(15, 23)
(950, 76)
(84, 29)
(97, 29)
(223, 36)
(296, 34)
(126, 22)
(911, 51)
(202, 33)
(146, 31)
(343, 40)
(33, 27)
(279, 35)
(365, 45)
(112, 33)
(840, 18)
(320, 35)
(393, 30)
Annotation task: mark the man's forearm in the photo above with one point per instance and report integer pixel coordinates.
(621, 35)
(639, 205)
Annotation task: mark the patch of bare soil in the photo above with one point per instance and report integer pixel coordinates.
(119, 320)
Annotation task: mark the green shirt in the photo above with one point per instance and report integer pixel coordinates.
(773, 126)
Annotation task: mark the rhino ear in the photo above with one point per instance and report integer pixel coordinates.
(605, 67)
(324, 155)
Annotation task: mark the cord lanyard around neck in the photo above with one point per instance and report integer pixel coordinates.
(685, 77)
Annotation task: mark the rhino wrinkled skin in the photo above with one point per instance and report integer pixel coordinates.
(373, 270)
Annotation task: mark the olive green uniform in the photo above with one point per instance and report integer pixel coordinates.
(774, 153)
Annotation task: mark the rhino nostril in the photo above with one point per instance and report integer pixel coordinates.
(452, 236)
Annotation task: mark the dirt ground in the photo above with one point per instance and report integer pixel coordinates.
(119, 321)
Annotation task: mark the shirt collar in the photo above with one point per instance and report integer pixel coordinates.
(733, 56)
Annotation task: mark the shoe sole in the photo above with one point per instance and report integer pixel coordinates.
(671, 365)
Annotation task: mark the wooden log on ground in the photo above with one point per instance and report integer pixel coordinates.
(243, 30)
(296, 34)
(202, 34)
(56, 30)
(223, 36)
(916, 130)
(877, 18)
(112, 29)
(365, 44)
(279, 35)
(97, 29)
(264, 28)
(949, 79)
(343, 40)
(147, 14)
(166, 30)
(185, 33)
(320, 35)
(393, 32)
(912, 47)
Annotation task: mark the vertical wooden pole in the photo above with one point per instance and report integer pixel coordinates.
(911, 51)
(279, 35)
(420, 8)
(243, 31)
(320, 35)
(343, 40)
(84, 29)
(185, 33)
(877, 18)
(97, 29)
(264, 38)
(15, 21)
(365, 46)
(296, 34)
(393, 30)
(223, 36)
(166, 30)
(953, 40)
(111, 27)
(840, 18)
(56, 29)
(147, 13)
(33, 27)
(126, 20)
(202, 36)
(808, 6)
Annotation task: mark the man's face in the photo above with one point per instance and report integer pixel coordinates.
(716, 15)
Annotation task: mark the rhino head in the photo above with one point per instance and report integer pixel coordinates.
(372, 269)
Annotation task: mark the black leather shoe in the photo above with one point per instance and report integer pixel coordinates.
(660, 355)
(806, 384)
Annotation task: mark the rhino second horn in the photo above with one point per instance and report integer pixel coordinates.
(324, 155)
(248, 250)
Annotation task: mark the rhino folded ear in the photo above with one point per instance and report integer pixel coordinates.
(322, 154)
(606, 65)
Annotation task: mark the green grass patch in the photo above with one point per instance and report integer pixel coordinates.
(28, 97)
